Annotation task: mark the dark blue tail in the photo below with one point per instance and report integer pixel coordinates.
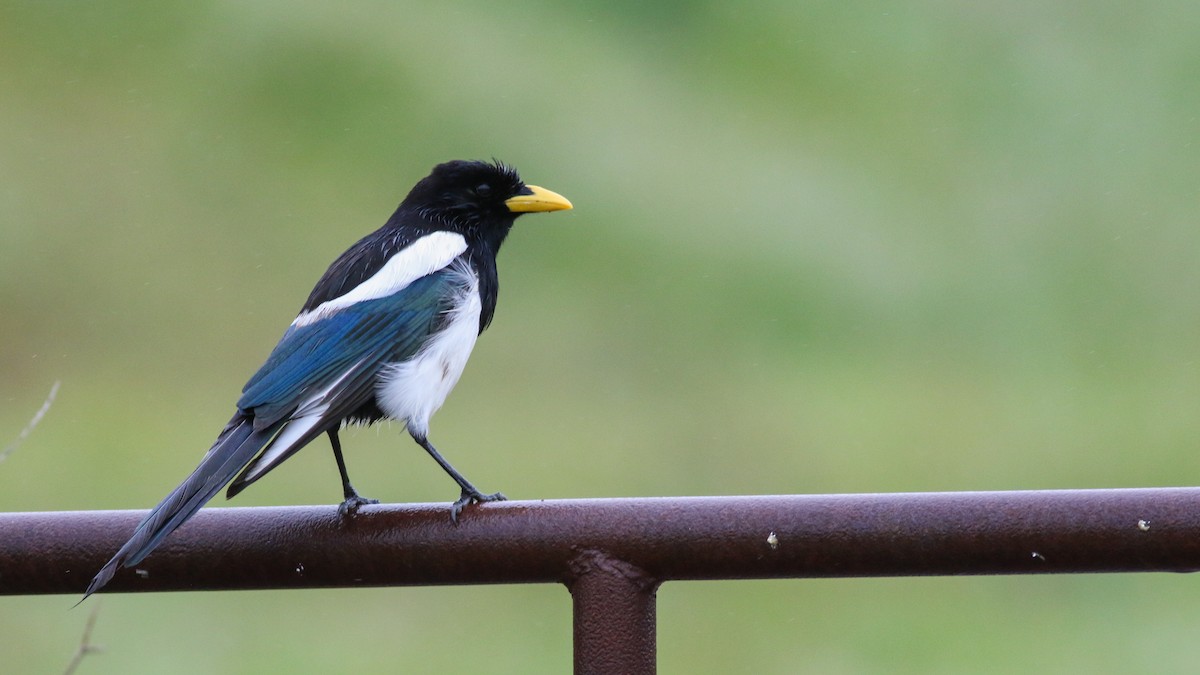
(233, 450)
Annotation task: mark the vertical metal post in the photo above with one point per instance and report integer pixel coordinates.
(614, 615)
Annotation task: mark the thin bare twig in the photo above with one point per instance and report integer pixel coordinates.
(85, 643)
(37, 417)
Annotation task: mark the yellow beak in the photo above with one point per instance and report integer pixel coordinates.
(537, 199)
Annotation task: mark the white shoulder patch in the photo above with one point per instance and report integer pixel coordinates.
(424, 256)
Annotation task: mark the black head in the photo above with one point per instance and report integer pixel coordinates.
(468, 197)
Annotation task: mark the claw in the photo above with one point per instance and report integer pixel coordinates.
(352, 503)
(468, 498)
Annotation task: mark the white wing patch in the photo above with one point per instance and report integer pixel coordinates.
(309, 414)
(414, 389)
(424, 256)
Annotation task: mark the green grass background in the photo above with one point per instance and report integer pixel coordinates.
(817, 247)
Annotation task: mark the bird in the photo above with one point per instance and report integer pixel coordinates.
(384, 335)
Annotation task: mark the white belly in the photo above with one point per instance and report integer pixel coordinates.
(413, 390)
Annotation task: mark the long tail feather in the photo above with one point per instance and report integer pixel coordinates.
(297, 434)
(233, 450)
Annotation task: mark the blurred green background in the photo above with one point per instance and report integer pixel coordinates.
(817, 247)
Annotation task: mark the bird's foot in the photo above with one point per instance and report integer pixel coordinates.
(350, 506)
(468, 497)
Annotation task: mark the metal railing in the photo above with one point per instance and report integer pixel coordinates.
(612, 554)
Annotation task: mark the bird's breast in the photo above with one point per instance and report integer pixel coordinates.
(413, 390)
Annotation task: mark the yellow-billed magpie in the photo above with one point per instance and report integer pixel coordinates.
(385, 334)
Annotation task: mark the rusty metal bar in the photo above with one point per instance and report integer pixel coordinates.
(668, 538)
(613, 615)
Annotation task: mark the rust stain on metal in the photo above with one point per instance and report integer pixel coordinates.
(669, 539)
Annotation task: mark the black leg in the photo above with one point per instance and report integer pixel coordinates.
(353, 499)
(470, 494)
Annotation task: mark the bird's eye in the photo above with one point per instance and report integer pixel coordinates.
(483, 190)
